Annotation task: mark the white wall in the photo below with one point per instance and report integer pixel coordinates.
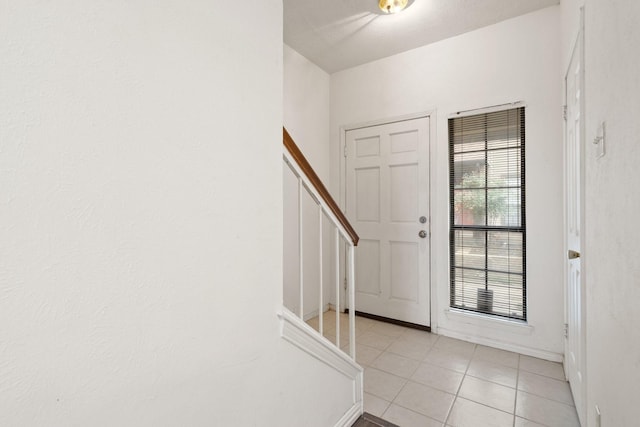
(516, 60)
(569, 25)
(306, 117)
(611, 254)
(306, 108)
(138, 284)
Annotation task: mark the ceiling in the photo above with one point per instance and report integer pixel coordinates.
(340, 34)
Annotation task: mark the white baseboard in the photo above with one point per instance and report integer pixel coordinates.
(527, 351)
(493, 332)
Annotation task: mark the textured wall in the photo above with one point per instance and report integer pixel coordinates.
(137, 284)
(612, 203)
(610, 255)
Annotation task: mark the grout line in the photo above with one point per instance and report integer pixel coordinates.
(464, 375)
(386, 408)
(419, 413)
(407, 380)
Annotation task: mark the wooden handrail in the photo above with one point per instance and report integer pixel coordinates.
(317, 183)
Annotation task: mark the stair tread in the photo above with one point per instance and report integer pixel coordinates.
(368, 420)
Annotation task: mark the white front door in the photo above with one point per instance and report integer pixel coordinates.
(387, 194)
(575, 297)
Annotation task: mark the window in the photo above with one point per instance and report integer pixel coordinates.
(487, 213)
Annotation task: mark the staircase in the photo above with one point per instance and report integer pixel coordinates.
(344, 240)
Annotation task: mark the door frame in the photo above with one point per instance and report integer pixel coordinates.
(431, 114)
(578, 48)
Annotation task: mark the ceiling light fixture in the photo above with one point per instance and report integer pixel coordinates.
(393, 6)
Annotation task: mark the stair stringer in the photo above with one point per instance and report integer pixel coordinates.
(303, 336)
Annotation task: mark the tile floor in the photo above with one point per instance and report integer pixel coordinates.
(415, 378)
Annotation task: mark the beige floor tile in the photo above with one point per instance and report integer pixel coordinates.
(450, 359)
(329, 318)
(545, 411)
(344, 341)
(521, 422)
(423, 336)
(546, 387)
(313, 322)
(396, 365)
(542, 367)
(413, 348)
(365, 355)
(346, 349)
(493, 372)
(382, 384)
(360, 332)
(328, 330)
(364, 322)
(328, 323)
(487, 393)
(375, 340)
(497, 356)
(466, 413)
(361, 327)
(425, 400)
(437, 377)
(344, 325)
(407, 418)
(388, 329)
(411, 378)
(375, 405)
(344, 331)
(459, 346)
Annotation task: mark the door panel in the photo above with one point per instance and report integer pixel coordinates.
(368, 281)
(404, 271)
(404, 193)
(405, 142)
(367, 147)
(387, 189)
(368, 194)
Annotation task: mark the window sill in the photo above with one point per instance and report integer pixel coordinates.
(513, 326)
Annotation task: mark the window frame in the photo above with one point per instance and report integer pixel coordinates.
(486, 228)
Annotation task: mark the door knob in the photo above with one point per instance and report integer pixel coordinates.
(422, 234)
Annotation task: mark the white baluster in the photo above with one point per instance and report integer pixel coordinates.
(320, 299)
(300, 248)
(337, 251)
(351, 284)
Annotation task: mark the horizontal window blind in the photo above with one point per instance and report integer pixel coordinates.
(487, 213)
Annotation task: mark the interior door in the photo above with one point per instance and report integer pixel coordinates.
(575, 296)
(387, 194)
